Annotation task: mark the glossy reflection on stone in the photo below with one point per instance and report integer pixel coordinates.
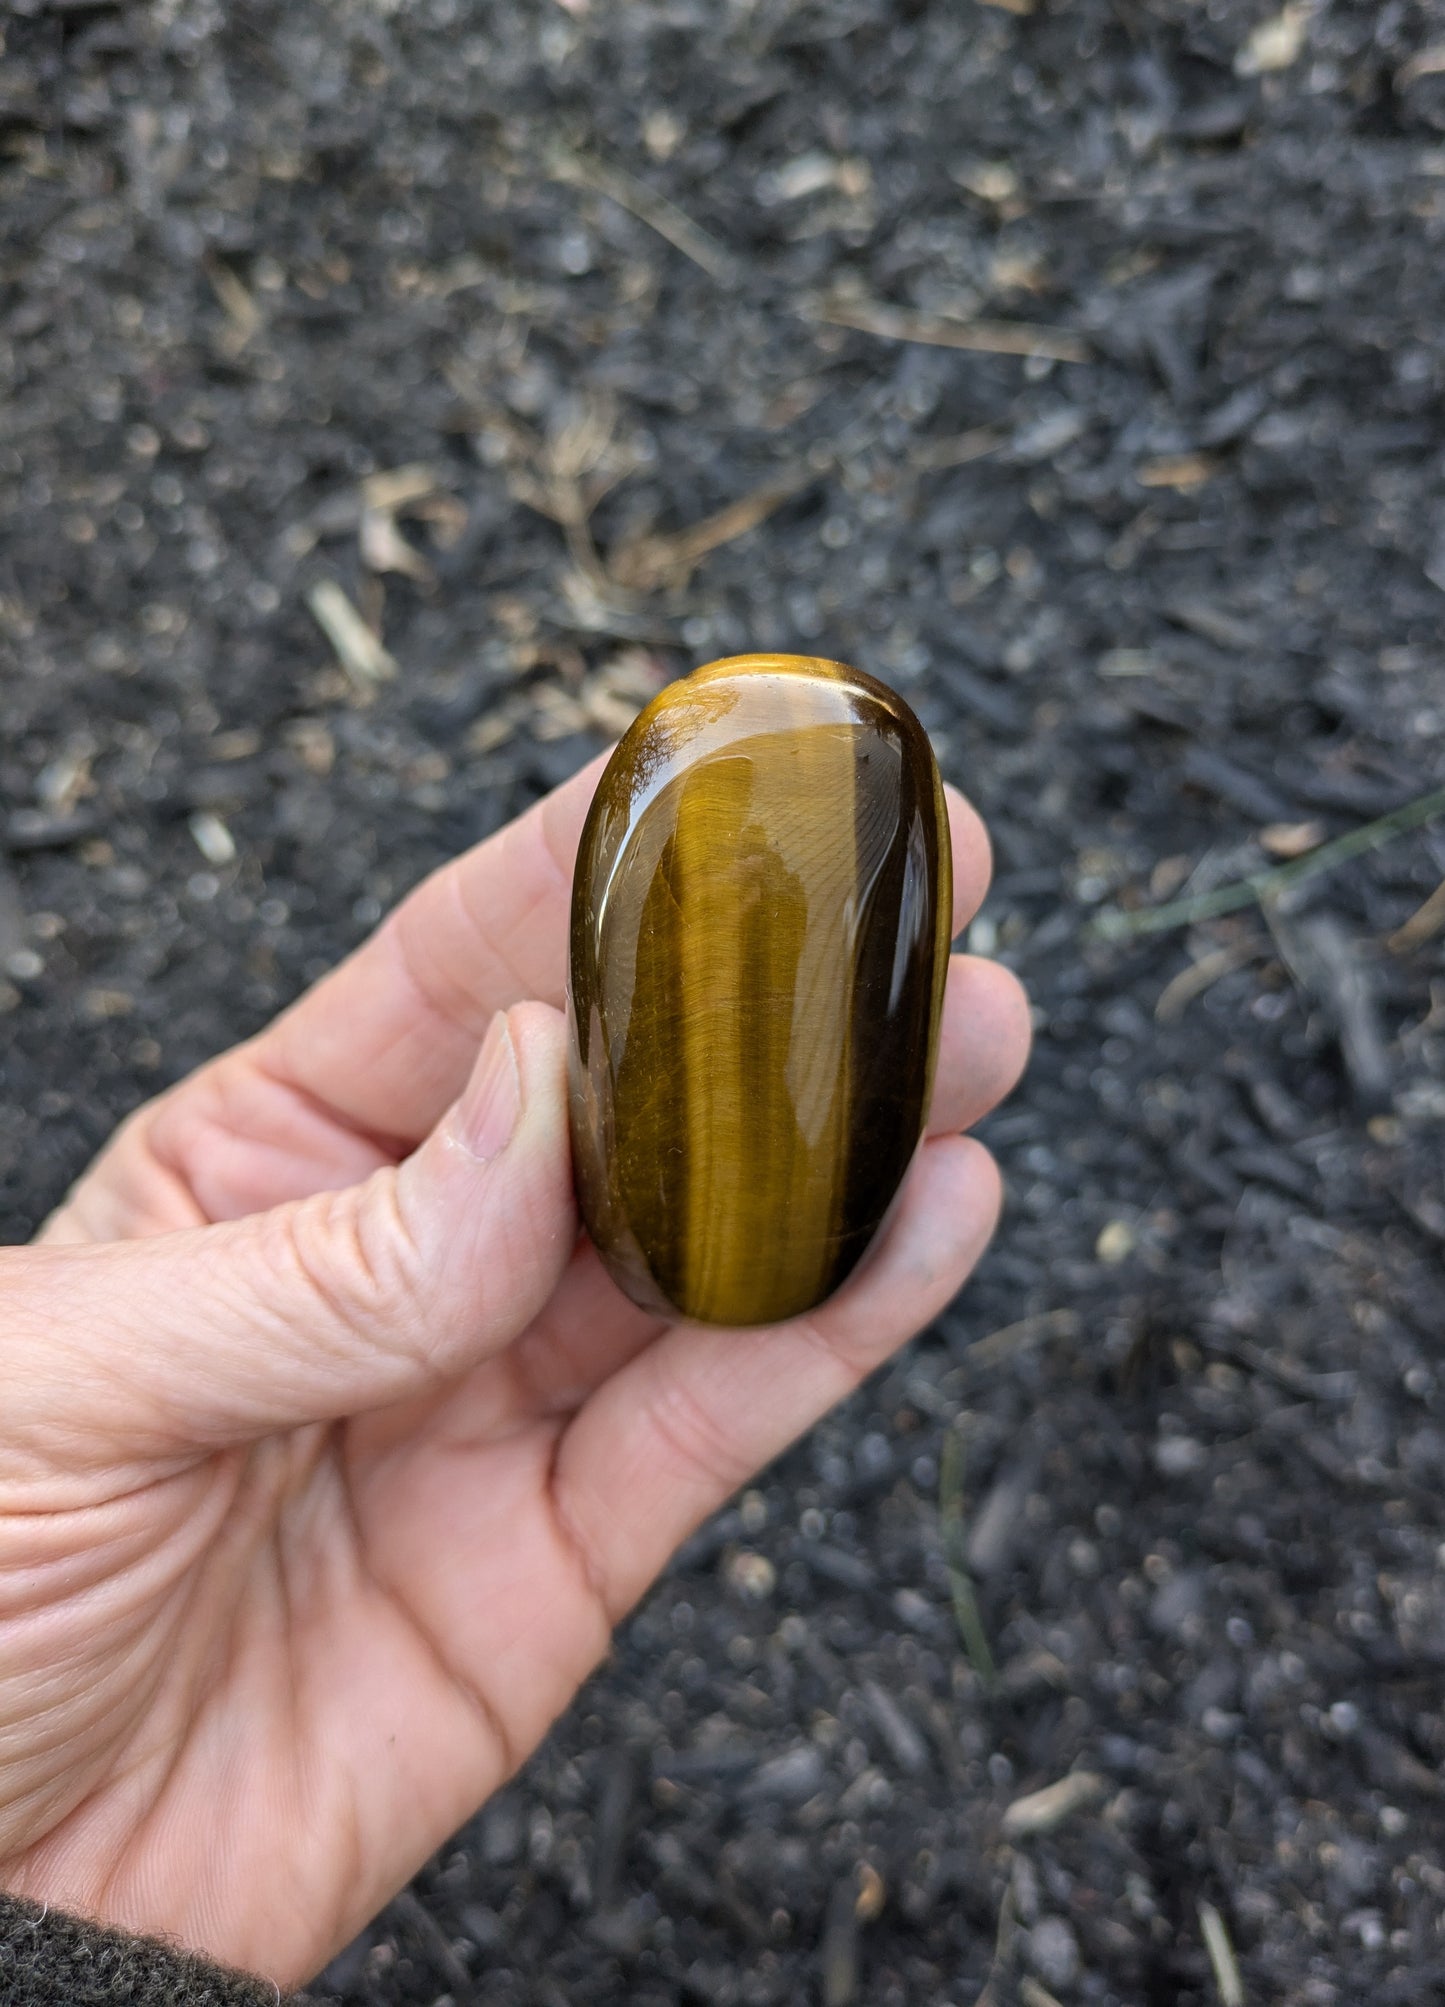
(760, 931)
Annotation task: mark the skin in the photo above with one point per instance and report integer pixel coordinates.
(330, 1456)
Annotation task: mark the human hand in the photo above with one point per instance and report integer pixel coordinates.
(330, 1455)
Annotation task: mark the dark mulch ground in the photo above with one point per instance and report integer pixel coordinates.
(1153, 603)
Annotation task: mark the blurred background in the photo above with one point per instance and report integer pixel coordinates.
(397, 395)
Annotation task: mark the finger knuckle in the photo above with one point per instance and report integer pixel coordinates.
(358, 1261)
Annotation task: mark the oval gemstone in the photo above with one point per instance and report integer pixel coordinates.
(760, 932)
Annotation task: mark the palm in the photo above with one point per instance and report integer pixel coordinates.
(436, 1618)
(345, 1635)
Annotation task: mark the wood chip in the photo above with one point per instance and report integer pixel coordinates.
(749, 1575)
(243, 316)
(497, 726)
(359, 652)
(66, 780)
(804, 175)
(905, 1745)
(606, 710)
(558, 713)
(1035, 1672)
(1117, 1241)
(311, 740)
(445, 516)
(1177, 470)
(98, 1005)
(1275, 43)
(1020, 338)
(991, 181)
(1428, 62)
(384, 548)
(1292, 839)
(398, 487)
(1043, 1811)
(212, 838)
(872, 1894)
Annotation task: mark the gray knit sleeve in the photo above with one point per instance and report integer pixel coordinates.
(48, 1959)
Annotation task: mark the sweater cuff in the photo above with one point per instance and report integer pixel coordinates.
(48, 1959)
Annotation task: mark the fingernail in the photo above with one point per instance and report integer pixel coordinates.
(493, 1099)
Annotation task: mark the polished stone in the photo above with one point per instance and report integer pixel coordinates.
(760, 931)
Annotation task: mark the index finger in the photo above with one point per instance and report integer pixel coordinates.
(386, 1041)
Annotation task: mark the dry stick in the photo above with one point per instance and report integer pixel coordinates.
(1176, 996)
(1011, 1338)
(358, 650)
(1222, 1961)
(936, 454)
(950, 1518)
(937, 331)
(1119, 926)
(1425, 921)
(672, 224)
(671, 557)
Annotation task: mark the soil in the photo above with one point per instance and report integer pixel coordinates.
(1172, 610)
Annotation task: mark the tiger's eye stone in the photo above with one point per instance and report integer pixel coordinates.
(760, 930)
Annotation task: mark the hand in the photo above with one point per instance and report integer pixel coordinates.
(329, 1454)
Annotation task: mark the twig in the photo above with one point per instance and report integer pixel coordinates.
(958, 449)
(673, 225)
(361, 655)
(938, 331)
(572, 472)
(1222, 1961)
(670, 559)
(950, 1519)
(1011, 1338)
(1425, 922)
(1177, 995)
(1115, 925)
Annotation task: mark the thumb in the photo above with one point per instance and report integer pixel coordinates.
(318, 1309)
